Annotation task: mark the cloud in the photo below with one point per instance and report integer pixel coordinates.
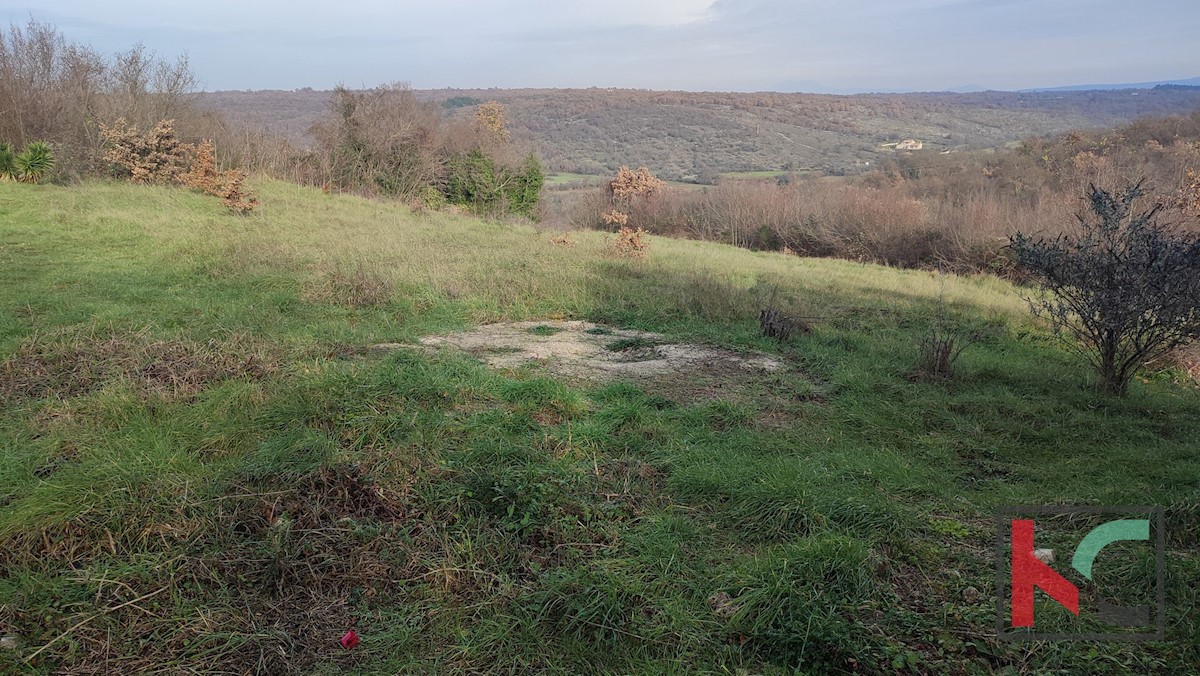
(668, 44)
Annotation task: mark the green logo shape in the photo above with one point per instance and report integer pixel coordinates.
(1104, 535)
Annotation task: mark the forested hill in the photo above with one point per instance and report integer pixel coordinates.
(686, 135)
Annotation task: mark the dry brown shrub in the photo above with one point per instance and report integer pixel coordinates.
(202, 175)
(630, 184)
(490, 118)
(632, 243)
(235, 196)
(157, 156)
(1187, 197)
(614, 217)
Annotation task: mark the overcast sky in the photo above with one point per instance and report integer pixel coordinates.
(744, 45)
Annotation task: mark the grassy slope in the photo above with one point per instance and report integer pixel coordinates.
(464, 519)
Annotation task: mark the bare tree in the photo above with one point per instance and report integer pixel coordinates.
(55, 91)
(1125, 286)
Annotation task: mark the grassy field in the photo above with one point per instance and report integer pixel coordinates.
(208, 469)
(566, 179)
(740, 175)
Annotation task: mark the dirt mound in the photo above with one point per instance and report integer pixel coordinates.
(577, 349)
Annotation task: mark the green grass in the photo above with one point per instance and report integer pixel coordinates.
(742, 175)
(571, 179)
(544, 330)
(207, 468)
(630, 344)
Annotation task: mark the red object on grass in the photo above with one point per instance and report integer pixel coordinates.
(349, 640)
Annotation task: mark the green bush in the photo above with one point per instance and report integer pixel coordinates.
(460, 102)
(30, 166)
(8, 162)
(478, 181)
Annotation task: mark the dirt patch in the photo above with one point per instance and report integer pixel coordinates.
(584, 350)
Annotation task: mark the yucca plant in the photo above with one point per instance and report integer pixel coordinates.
(35, 162)
(8, 162)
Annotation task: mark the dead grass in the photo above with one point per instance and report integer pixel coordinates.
(72, 365)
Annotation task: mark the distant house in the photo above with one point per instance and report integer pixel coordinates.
(909, 144)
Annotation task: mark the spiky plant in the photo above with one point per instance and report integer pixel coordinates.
(35, 162)
(8, 162)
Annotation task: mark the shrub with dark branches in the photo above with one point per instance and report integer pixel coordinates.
(1125, 285)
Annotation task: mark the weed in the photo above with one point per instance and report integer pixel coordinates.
(939, 353)
(773, 323)
(544, 330)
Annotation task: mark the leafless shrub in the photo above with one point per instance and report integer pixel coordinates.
(1187, 357)
(381, 141)
(1124, 286)
(939, 352)
(56, 91)
(774, 323)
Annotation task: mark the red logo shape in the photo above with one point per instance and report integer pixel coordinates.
(349, 640)
(1028, 573)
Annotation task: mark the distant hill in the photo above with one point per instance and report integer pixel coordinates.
(1193, 82)
(696, 135)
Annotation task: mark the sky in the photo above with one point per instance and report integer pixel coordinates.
(836, 46)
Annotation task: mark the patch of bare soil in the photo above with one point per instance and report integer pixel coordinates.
(579, 350)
